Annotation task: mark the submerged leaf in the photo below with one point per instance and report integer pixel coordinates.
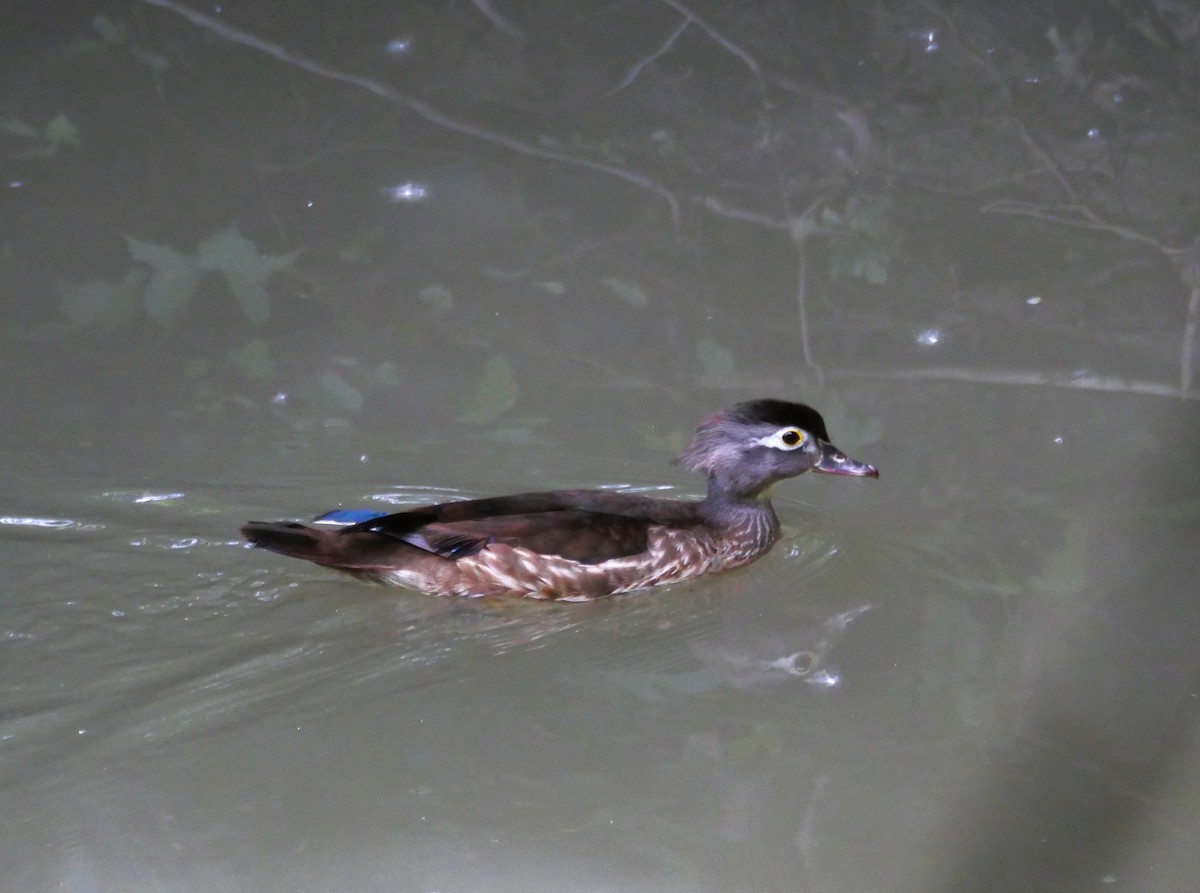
(227, 249)
(61, 132)
(166, 297)
(174, 278)
(439, 298)
(253, 359)
(716, 362)
(345, 396)
(13, 127)
(386, 375)
(113, 32)
(256, 303)
(495, 393)
(1064, 569)
(629, 292)
(163, 258)
(245, 268)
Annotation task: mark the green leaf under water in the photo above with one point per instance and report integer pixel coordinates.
(110, 30)
(387, 375)
(439, 298)
(13, 127)
(245, 268)
(495, 393)
(172, 282)
(61, 132)
(629, 292)
(253, 359)
(345, 396)
(716, 362)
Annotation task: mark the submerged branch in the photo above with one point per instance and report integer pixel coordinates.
(1078, 213)
(1036, 149)
(1077, 216)
(723, 209)
(1187, 363)
(802, 228)
(636, 70)
(1084, 381)
(802, 310)
(1071, 381)
(423, 109)
(502, 24)
(723, 41)
(1184, 260)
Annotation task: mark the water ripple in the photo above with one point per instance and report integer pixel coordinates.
(48, 523)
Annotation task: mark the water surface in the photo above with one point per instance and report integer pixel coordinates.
(250, 290)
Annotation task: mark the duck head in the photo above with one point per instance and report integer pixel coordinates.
(747, 448)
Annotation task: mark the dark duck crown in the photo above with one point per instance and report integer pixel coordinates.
(575, 545)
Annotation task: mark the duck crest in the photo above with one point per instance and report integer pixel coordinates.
(576, 545)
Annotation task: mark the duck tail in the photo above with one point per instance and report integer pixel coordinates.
(291, 539)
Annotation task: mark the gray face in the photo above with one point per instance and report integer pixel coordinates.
(779, 453)
(747, 456)
(747, 459)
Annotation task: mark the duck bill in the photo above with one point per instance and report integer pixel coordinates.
(834, 461)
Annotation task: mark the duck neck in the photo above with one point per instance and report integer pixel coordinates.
(742, 515)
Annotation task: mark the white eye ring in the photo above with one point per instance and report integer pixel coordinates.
(782, 439)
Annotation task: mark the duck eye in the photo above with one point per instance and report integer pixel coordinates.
(791, 436)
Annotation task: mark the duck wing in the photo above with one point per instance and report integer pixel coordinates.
(588, 526)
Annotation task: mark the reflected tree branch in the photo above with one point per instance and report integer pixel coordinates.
(501, 24)
(802, 312)
(799, 226)
(1191, 328)
(723, 209)
(1081, 381)
(1072, 381)
(1185, 259)
(1078, 213)
(719, 38)
(1036, 149)
(423, 109)
(802, 228)
(1077, 216)
(636, 70)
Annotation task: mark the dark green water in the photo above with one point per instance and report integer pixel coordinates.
(978, 673)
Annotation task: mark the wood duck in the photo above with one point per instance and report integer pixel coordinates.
(576, 545)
